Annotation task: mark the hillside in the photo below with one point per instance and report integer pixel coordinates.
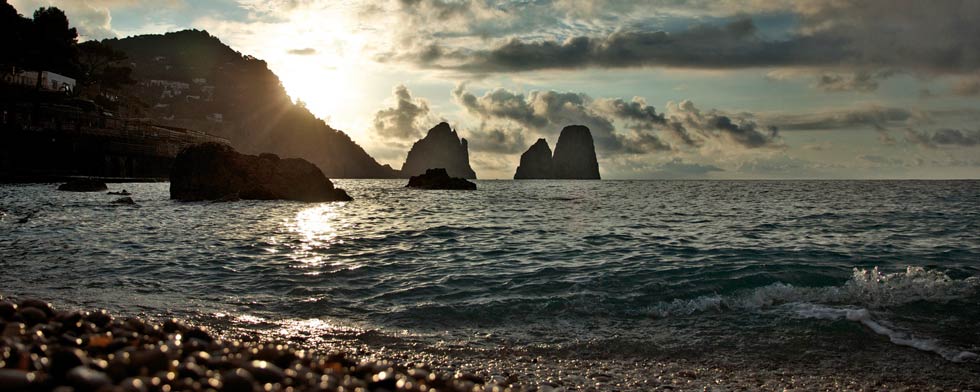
(191, 79)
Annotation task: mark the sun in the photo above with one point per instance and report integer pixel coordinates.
(318, 54)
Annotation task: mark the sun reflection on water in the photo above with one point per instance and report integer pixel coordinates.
(318, 228)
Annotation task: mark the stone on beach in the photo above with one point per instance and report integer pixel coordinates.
(213, 171)
(439, 179)
(92, 351)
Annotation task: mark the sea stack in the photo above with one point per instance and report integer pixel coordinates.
(213, 171)
(574, 157)
(536, 162)
(575, 154)
(440, 148)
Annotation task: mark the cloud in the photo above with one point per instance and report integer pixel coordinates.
(407, 120)
(547, 112)
(944, 138)
(715, 125)
(677, 168)
(851, 44)
(618, 126)
(493, 139)
(92, 18)
(875, 117)
(967, 86)
(302, 52)
(733, 45)
(861, 81)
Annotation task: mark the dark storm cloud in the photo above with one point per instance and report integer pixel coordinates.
(407, 120)
(302, 52)
(837, 35)
(944, 138)
(687, 119)
(734, 45)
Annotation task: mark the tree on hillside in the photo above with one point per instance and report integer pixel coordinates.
(101, 68)
(13, 32)
(51, 44)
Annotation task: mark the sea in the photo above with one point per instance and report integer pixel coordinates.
(848, 276)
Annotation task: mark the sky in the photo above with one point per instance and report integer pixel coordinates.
(716, 89)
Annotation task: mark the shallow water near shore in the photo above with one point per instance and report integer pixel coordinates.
(880, 274)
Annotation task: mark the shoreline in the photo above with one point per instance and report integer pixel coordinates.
(92, 350)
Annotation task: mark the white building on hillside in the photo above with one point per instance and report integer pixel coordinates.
(50, 81)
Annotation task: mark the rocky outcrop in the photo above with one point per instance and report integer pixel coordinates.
(83, 185)
(439, 179)
(536, 162)
(441, 147)
(574, 157)
(214, 171)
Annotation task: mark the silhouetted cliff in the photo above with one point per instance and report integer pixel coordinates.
(191, 79)
(536, 162)
(440, 148)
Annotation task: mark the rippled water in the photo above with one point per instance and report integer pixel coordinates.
(596, 268)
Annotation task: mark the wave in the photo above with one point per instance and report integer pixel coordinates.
(855, 300)
(867, 288)
(894, 335)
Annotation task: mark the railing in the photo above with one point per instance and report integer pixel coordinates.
(57, 119)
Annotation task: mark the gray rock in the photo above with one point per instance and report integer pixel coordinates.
(83, 185)
(124, 200)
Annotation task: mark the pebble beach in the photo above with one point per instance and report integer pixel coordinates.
(48, 349)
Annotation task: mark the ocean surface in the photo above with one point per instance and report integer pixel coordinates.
(747, 270)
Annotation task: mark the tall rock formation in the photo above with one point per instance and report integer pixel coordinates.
(440, 148)
(536, 162)
(574, 157)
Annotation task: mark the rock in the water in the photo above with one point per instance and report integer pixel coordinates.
(120, 193)
(213, 171)
(575, 155)
(439, 179)
(124, 200)
(441, 147)
(83, 185)
(536, 162)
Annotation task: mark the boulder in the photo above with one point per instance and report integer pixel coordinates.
(213, 171)
(83, 185)
(536, 162)
(124, 200)
(575, 157)
(441, 147)
(439, 179)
